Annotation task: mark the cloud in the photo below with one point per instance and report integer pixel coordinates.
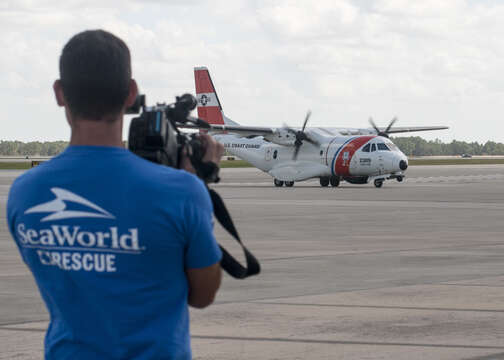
(428, 62)
(301, 19)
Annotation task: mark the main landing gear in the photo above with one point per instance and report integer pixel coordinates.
(326, 180)
(280, 183)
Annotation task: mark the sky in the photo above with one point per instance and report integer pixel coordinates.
(429, 62)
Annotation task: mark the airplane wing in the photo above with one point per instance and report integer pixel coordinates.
(248, 131)
(397, 130)
(394, 130)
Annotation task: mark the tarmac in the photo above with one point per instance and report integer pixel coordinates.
(413, 270)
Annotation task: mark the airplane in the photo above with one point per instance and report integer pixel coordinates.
(357, 156)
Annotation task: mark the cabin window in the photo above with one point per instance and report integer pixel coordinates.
(366, 148)
(373, 147)
(275, 154)
(382, 146)
(321, 152)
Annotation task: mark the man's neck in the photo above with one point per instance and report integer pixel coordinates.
(97, 133)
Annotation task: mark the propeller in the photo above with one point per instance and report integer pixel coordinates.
(301, 136)
(383, 133)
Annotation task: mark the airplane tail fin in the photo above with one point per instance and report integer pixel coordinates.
(209, 107)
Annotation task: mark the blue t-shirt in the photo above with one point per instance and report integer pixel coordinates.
(108, 236)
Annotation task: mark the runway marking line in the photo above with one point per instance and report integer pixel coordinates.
(344, 342)
(382, 307)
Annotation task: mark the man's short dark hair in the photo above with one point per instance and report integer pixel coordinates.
(95, 73)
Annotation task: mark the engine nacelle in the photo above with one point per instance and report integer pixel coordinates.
(281, 137)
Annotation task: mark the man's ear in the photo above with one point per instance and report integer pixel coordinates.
(58, 93)
(132, 94)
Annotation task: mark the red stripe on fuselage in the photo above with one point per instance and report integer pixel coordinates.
(342, 163)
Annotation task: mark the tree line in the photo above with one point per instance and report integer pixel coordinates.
(46, 148)
(411, 146)
(416, 146)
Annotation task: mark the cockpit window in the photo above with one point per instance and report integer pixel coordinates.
(392, 146)
(366, 148)
(373, 147)
(382, 146)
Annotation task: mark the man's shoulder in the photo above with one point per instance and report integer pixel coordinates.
(157, 172)
(180, 181)
(32, 174)
(151, 180)
(169, 180)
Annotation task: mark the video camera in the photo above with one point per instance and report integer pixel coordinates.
(154, 135)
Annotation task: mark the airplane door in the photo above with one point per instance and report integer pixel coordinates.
(267, 154)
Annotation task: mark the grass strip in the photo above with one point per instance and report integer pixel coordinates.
(21, 165)
(234, 164)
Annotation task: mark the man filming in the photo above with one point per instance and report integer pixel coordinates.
(118, 246)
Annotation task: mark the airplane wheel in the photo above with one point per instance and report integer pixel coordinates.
(278, 183)
(378, 183)
(324, 181)
(334, 180)
(289, 183)
(399, 178)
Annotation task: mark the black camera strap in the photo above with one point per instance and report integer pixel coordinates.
(228, 262)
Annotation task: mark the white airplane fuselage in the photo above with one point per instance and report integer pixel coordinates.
(345, 157)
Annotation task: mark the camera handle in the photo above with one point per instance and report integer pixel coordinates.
(228, 262)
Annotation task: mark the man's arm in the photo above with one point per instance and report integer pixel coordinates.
(204, 281)
(203, 285)
(213, 153)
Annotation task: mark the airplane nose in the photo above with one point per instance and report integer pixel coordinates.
(403, 165)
